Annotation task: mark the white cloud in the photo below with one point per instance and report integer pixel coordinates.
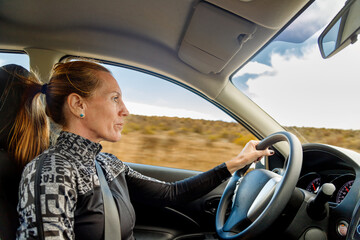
(152, 110)
(320, 13)
(315, 17)
(311, 91)
(253, 68)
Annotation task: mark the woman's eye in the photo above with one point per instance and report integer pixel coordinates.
(116, 99)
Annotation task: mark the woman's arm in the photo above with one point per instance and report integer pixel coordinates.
(152, 191)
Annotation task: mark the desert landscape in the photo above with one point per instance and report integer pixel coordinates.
(201, 144)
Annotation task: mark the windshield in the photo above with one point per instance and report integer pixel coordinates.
(317, 98)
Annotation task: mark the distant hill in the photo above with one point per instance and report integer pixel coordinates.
(342, 138)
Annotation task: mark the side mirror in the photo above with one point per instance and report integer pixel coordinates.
(342, 30)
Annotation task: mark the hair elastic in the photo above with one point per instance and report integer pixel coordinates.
(44, 88)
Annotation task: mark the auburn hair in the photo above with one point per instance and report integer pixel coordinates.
(70, 77)
(30, 131)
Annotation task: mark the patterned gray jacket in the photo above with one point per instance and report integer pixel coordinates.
(70, 194)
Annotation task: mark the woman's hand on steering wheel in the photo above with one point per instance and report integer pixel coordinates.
(248, 155)
(258, 199)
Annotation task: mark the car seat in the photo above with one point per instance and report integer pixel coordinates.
(10, 172)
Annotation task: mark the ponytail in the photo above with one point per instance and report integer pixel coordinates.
(29, 135)
(30, 132)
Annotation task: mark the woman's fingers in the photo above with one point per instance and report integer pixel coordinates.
(248, 155)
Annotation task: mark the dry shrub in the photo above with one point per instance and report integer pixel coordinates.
(198, 129)
(131, 127)
(149, 130)
(171, 133)
(242, 140)
(150, 143)
(169, 143)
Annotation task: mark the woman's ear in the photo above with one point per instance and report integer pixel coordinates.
(76, 105)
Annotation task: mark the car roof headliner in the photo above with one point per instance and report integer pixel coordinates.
(147, 34)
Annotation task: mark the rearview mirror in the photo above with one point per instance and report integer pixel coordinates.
(342, 30)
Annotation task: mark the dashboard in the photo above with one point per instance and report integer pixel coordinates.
(313, 181)
(327, 164)
(341, 167)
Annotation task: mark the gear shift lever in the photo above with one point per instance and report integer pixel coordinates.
(318, 207)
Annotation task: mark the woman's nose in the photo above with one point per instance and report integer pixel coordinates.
(124, 111)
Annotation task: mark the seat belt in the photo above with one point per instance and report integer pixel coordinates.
(37, 193)
(112, 218)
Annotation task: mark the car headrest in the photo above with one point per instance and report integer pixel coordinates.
(10, 99)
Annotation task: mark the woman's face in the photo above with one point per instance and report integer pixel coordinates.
(105, 111)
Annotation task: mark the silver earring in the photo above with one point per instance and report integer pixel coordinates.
(82, 115)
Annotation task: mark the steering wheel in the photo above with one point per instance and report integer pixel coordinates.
(260, 196)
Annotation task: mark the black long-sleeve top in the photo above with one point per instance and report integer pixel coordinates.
(71, 198)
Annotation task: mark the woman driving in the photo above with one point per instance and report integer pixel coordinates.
(85, 100)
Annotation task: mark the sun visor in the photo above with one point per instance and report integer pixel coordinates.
(213, 37)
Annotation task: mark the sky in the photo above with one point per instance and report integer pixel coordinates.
(297, 87)
(307, 90)
(289, 80)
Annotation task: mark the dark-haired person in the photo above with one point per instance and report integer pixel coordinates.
(19, 143)
(86, 101)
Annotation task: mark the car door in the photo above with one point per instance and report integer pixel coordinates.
(195, 220)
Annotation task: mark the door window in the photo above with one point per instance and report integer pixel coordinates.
(172, 126)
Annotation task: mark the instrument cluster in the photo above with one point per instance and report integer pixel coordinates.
(312, 182)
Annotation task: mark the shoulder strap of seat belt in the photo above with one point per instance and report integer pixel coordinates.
(112, 218)
(37, 189)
